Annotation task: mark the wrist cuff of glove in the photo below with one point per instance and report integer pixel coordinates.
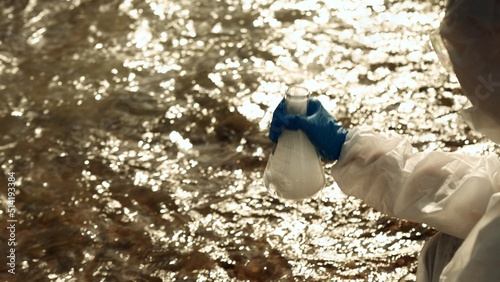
(332, 153)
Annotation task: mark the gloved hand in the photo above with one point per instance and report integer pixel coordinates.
(319, 126)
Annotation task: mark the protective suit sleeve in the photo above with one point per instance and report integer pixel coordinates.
(470, 31)
(478, 258)
(448, 191)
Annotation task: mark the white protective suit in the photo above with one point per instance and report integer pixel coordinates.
(456, 194)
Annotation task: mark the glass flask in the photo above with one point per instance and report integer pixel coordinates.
(294, 169)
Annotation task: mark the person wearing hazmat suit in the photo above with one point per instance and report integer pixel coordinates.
(457, 194)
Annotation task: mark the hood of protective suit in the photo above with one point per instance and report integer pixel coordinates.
(470, 32)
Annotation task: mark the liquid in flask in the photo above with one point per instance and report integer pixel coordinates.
(294, 169)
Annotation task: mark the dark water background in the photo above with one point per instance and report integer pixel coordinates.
(137, 133)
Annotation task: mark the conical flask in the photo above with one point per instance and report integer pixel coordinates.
(294, 169)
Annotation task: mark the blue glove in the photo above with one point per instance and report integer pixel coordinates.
(319, 126)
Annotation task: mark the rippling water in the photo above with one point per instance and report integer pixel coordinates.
(137, 133)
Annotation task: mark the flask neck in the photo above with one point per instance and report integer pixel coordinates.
(296, 100)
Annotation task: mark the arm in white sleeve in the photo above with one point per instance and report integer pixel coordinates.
(448, 191)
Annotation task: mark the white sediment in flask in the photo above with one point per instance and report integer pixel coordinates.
(294, 169)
